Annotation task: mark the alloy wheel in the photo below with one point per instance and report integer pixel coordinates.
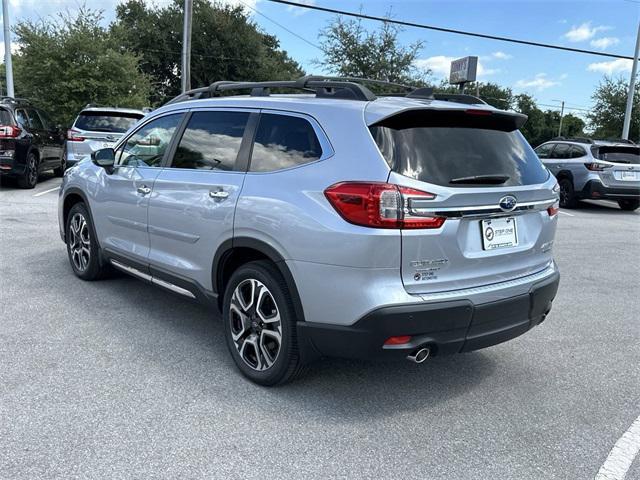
(256, 327)
(32, 170)
(79, 242)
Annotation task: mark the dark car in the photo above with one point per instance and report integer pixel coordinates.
(30, 143)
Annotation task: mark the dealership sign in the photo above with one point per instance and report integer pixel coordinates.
(463, 70)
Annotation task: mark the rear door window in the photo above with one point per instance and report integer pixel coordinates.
(283, 141)
(112, 122)
(561, 151)
(455, 150)
(211, 141)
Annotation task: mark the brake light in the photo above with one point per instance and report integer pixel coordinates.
(9, 131)
(72, 136)
(379, 205)
(597, 167)
(472, 111)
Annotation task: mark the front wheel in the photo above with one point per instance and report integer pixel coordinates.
(260, 324)
(82, 247)
(629, 205)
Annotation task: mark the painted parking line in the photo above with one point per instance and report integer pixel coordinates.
(567, 213)
(46, 191)
(622, 455)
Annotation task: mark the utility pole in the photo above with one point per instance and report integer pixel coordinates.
(561, 118)
(632, 89)
(7, 48)
(186, 46)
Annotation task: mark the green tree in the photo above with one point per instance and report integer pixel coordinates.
(352, 51)
(65, 63)
(226, 45)
(492, 93)
(607, 115)
(543, 125)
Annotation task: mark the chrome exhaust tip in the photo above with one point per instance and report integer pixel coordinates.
(419, 355)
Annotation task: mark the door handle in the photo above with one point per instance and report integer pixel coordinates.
(144, 190)
(218, 194)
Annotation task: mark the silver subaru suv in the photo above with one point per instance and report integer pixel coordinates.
(331, 222)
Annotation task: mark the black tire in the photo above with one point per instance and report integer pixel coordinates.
(567, 194)
(629, 205)
(59, 172)
(30, 177)
(82, 247)
(264, 367)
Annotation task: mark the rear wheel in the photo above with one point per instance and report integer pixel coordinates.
(629, 205)
(82, 247)
(260, 324)
(59, 172)
(567, 194)
(30, 177)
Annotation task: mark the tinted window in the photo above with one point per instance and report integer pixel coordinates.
(5, 117)
(146, 147)
(544, 151)
(577, 152)
(211, 141)
(106, 122)
(283, 141)
(34, 119)
(562, 150)
(441, 154)
(618, 154)
(21, 117)
(46, 121)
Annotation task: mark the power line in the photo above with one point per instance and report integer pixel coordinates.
(449, 30)
(281, 26)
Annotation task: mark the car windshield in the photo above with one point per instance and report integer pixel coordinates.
(115, 122)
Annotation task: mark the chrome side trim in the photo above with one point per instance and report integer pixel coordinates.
(172, 287)
(133, 271)
(144, 276)
(548, 271)
(477, 210)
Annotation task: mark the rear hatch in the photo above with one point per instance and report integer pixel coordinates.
(95, 129)
(494, 193)
(620, 166)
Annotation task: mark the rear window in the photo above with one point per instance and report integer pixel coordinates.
(106, 121)
(618, 154)
(5, 117)
(484, 151)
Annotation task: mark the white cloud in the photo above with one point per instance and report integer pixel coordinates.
(440, 65)
(14, 49)
(584, 32)
(539, 82)
(297, 11)
(604, 42)
(614, 66)
(501, 55)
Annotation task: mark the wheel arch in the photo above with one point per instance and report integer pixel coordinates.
(237, 251)
(562, 174)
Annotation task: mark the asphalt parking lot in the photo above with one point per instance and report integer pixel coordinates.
(119, 379)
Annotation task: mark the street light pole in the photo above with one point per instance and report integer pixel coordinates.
(186, 46)
(7, 48)
(632, 89)
(561, 118)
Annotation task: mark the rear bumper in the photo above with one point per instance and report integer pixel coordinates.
(447, 327)
(594, 189)
(9, 166)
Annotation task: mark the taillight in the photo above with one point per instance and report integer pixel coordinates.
(9, 131)
(597, 167)
(72, 136)
(553, 209)
(477, 111)
(379, 205)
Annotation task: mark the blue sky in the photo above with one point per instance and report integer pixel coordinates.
(549, 75)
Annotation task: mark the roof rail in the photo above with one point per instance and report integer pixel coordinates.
(620, 140)
(574, 139)
(6, 99)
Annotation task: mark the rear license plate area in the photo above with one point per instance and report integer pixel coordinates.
(498, 233)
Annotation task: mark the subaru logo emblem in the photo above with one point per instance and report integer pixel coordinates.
(508, 203)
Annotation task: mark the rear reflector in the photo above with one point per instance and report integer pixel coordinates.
(553, 209)
(400, 340)
(379, 205)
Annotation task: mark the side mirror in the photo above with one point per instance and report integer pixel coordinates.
(105, 158)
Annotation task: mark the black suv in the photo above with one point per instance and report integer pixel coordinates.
(29, 142)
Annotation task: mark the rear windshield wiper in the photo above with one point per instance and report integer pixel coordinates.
(482, 179)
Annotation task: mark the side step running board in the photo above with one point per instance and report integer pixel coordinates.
(156, 281)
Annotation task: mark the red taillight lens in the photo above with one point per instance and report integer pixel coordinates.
(472, 111)
(596, 167)
(399, 340)
(9, 131)
(72, 136)
(379, 205)
(553, 209)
